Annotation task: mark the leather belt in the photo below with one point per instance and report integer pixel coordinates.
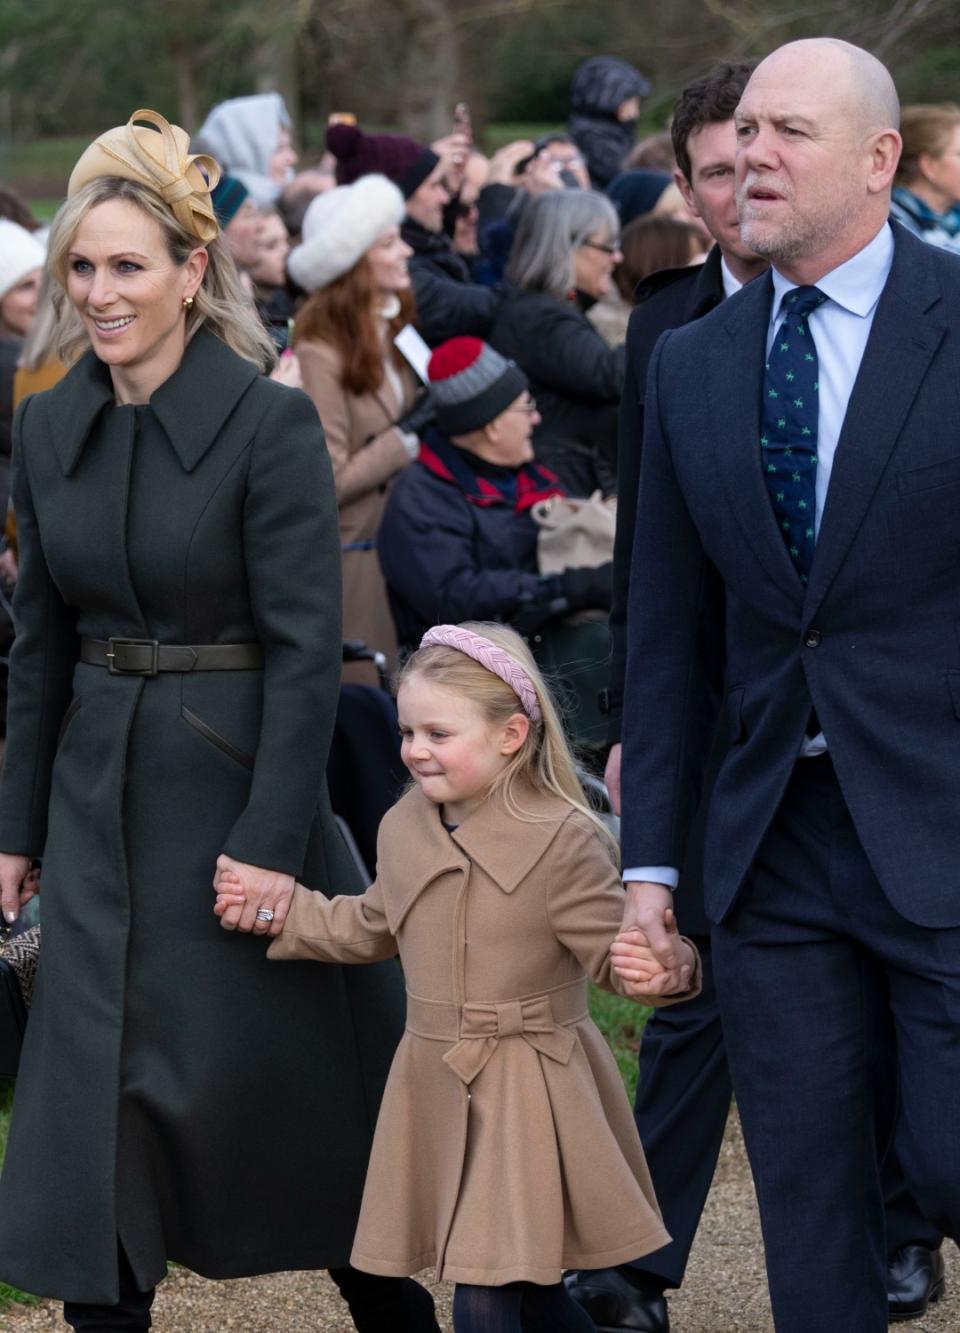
(147, 657)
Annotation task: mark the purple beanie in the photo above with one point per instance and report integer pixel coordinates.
(404, 161)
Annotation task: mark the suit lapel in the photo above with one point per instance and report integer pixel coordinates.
(903, 341)
(736, 382)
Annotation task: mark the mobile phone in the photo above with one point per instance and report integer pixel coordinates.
(461, 120)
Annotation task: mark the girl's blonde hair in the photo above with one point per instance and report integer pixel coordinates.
(545, 760)
(220, 302)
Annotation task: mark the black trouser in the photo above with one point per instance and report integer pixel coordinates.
(377, 1305)
(385, 1304)
(813, 965)
(132, 1312)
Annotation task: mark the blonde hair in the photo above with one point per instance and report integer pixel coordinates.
(545, 760)
(220, 303)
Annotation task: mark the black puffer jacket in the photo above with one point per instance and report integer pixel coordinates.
(599, 86)
(577, 381)
(449, 303)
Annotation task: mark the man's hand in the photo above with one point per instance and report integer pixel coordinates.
(647, 907)
(611, 776)
(261, 890)
(18, 884)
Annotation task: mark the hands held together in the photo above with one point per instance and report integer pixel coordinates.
(644, 971)
(250, 898)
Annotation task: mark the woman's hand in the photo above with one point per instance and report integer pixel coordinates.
(261, 890)
(18, 884)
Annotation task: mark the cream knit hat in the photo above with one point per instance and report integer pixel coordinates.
(340, 226)
(20, 254)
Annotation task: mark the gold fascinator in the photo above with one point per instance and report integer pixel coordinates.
(160, 159)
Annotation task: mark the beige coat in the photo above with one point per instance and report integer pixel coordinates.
(366, 454)
(505, 1149)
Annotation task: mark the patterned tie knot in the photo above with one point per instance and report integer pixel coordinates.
(802, 300)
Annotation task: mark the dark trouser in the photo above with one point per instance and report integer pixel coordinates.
(377, 1304)
(132, 1311)
(683, 1099)
(385, 1304)
(813, 966)
(518, 1307)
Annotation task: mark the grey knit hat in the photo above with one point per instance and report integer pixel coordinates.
(470, 384)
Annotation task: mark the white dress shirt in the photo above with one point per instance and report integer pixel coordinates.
(840, 328)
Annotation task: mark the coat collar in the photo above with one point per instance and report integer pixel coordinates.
(505, 848)
(191, 406)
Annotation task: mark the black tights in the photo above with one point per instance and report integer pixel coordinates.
(519, 1307)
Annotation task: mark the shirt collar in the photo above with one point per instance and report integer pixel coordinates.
(731, 284)
(855, 285)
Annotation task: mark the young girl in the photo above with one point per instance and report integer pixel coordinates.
(506, 1149)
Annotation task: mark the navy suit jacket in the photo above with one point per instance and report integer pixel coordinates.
(718, 618)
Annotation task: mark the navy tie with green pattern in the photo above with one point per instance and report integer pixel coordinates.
(788, 419)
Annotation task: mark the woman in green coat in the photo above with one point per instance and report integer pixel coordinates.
(173, 689)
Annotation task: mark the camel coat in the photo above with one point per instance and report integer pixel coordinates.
(506, 1149)
(366, 454)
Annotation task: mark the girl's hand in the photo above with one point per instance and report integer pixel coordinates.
(641, 971)
(259, 891)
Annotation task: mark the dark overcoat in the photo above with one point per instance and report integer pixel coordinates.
(174, 1089)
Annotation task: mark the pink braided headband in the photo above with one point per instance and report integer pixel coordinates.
(490, 656)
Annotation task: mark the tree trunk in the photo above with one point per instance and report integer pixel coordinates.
(430, 84)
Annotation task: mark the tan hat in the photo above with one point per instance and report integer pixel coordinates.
(160, 159)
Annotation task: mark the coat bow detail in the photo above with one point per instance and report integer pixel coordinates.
(483, 1026)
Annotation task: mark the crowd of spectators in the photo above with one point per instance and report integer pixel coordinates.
(537, 251)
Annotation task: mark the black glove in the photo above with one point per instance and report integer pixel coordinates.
(588, 589)
(419, 415)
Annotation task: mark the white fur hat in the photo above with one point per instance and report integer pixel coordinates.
(20, 254)
(340, 226)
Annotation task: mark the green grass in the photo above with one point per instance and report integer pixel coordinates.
(621, 1022)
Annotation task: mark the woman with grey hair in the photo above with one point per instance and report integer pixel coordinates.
(565, 251)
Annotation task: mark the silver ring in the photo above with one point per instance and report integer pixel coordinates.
(264, 914)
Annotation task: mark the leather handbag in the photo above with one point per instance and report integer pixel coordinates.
(574, 534)
(19, 957)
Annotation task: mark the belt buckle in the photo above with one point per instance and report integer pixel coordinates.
(117, 670)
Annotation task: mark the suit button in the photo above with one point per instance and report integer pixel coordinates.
(814, 638)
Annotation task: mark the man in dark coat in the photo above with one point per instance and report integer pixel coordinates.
(683, 1089)
(830, 849)
(449, 303)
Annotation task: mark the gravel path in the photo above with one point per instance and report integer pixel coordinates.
(725, 1290)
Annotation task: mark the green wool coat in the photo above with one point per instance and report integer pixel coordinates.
(175, 1090)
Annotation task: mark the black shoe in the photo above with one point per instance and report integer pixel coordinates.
(914, 1280)
(617, 1304)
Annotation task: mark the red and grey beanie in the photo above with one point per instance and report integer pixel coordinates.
(470, 384)
(404, 161)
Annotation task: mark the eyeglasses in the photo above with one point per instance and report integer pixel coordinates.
(529, 406)
(612, 248)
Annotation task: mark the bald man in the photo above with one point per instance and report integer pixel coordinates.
(796, 575)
